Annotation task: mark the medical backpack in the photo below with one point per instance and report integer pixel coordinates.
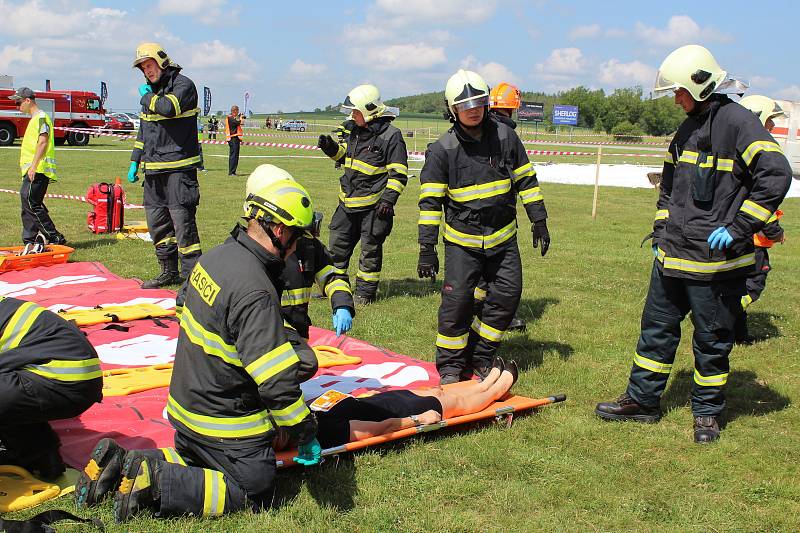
(108, 214)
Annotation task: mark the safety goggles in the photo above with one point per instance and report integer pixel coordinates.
(481, 101)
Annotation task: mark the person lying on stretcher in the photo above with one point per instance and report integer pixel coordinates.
(342, 418)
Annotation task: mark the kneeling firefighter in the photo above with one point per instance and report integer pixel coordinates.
(168, 150)
(234, 380)
(375, 173)
(471, 177)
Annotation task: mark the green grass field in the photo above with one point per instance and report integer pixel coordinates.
(559, 469)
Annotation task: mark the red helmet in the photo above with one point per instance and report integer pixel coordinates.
(504, 96)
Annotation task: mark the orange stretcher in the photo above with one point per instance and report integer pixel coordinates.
(501, 409)
(53, 254)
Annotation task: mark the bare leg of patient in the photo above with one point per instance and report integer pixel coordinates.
(473, 398)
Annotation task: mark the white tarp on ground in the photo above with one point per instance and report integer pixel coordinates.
(610, 175)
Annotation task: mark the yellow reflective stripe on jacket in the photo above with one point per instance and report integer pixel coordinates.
(189, 249)
(534, 194)
(524, 170)
(479, 293)
(708, 163)
(710, 381)
(359, 201)
(175, 103)
(395, 185)
(222, 427)
(138, 144)
(325, 272)
(19, 325)
(746, 301)
(662, 214)
(291, 415)
(486, 331)
(432, 190)
(759, 146)
(668, 158)
(340, 152)
(171, 455)
(711, 267)
(213, 492)
(479, 241)
(773, 218)
(292, 297)
(273, 362)
(369, 276)
(398, 167)
(726, 165)
(210, 342)
(152, 105)
(476, 192)
(363, 167)
(500, 236)
(755, 210)
(434, 218)
(688, 157)
(651, 365)
(162, 165)
(155, 117)
(63, 370)
(452, 343)
(337, 285)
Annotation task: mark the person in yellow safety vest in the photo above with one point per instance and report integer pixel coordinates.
(48, 371)
(766, 109)
(37, 162)
(233, 134)
(375, 165)
(167, 149)
(234, 381)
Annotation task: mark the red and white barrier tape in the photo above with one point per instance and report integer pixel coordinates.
(593, 143)
(71, 197)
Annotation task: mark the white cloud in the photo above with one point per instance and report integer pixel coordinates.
(680, 30)
(301, 68)
(206, 11)
(14, 55)
(454, 12)
(789, 93)
(27, 19)
(618, 74)
(413, 56)
(218, 55)
(585, 32)
(492, 72)
(562, 61)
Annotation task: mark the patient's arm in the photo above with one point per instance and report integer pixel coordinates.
(362, 429)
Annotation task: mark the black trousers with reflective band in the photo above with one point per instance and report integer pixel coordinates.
(214, 480)
(233, 154)
(347, 229)
(463, 270)
(756, 283)
(715, 305)
(170, 203)
(35, 217)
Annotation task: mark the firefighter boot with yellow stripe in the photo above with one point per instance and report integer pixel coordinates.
(139, 489)
(101, 475)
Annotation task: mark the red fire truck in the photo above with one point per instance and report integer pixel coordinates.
(73, 109)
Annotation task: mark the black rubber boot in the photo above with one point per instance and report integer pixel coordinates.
(625, 408)
(706, 429)
(169, 274)
(139, 489)
(101, 475)
(517, 324)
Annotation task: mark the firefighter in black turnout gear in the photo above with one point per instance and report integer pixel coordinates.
(375, 173)
(471, 178)
(48, 371)
(234, 381)
(167, 149)
(723, 178)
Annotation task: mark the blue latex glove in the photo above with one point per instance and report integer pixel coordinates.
(144, 89)
(132, 177)
(655, 250)
(342, 320)
(309, 454)
(720, 239)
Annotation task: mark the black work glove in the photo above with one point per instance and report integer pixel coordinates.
(305, 431)
(385, 210)
(428, 265)
(541, 235)
(328, 145)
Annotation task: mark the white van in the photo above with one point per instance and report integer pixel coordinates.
(294, 125)
(787, 133)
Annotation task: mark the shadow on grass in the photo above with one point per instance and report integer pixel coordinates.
(530, 353)
(761, 326)
(409, 287)
(94, 243)
(745, 393)
(338, 471)
(532, 310)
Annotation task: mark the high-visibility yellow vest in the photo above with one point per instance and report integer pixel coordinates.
(47, 165)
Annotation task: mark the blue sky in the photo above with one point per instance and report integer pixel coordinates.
(301, 55)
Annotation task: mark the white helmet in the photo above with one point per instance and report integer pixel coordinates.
(764, 107)
(262, 176)
(366, 99)
(693, 68)
(465, 89)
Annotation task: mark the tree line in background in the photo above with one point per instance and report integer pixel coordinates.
(623, 113)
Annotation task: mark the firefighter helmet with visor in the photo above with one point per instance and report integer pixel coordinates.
(465, 90)
(691, 67)
(155, 52)
(764, 107)
(366, 99)
(284, 202)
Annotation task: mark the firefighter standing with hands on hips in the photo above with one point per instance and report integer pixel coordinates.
(234, 381)
(167, 149)
(471, 178)
(375, 166)
(766, 109)
(723, 178)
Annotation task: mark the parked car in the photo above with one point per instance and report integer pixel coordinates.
(117, 123)
(131, 117)
(294, 125)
